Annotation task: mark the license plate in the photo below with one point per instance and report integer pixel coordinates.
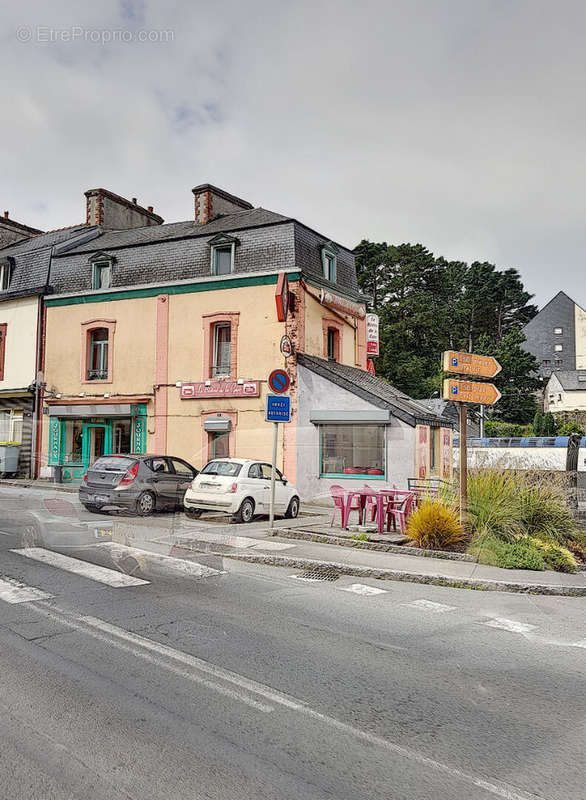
(103, 533)
(99, 498)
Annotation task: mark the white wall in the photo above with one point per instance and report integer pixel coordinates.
(21, 341)
(515, 457)
(318, 394)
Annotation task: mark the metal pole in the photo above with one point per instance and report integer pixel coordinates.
(482, 422)
(463, 463)
(273, 474)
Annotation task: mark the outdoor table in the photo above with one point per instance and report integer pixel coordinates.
(395, 496)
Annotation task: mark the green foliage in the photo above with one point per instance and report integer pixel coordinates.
(568, 428)
(538, 422)
(549, 425)
(492, 427)
(435, 526)
(427, 305)
(509, 555)
(555, 556)
(361, 537)
(544, 512)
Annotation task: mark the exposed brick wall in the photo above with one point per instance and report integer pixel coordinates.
(112, 212)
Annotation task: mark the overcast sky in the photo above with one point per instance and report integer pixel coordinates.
(460, 125)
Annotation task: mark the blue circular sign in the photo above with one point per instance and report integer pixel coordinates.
(279, 381)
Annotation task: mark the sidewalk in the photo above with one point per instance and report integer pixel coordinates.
(254, 543)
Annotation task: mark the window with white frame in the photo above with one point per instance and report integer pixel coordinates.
(222, 349)
(558, 348)
(11, 426)
(98, 355)
(5, 270)
(352, 451)
(329, 258)
(558, 331)
(222, 259)
(102, 274)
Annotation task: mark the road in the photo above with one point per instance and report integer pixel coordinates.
(249, 682)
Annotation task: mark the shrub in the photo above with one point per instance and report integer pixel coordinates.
(555, 556)
(493, 507)
(435, 526)
(568, 428)
(493, 427)
(509, 555)
(577, 550)
(545, 513)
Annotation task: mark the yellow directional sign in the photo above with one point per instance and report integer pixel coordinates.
(470, 392)
(470, 364)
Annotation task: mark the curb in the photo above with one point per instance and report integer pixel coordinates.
(24, 484)
(344, 541)
(409, 577)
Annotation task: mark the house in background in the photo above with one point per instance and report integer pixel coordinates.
(556, 336)
(566, 392)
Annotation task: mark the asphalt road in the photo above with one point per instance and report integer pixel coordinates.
(250, 683)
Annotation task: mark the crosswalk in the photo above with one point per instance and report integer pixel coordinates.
(94, 572)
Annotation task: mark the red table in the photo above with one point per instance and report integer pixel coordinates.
(395, 496)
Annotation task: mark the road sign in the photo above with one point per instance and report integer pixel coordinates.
(471, 392)
(278, 408)
(286, 346)
(279, 381)
(470, 364)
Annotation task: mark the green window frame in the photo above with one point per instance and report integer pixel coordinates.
(102, 274)
(357, 447)
(329, 260)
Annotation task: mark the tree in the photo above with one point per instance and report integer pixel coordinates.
(538, 422)
(549, 426)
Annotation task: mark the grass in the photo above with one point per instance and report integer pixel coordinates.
(435, 526)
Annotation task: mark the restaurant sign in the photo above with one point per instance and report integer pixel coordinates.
(204, 389)
(372, 335)
(341, 304)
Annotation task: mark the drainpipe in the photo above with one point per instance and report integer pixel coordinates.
(39, 378)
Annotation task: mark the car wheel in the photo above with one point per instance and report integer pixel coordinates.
(92, 508)
(145, 504)
(30, 536)
(292, 508)
(193, 513)
(246, 511)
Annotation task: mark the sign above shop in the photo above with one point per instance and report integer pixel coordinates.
(470, 364)
(279, 381)
(372, 334)
(286, 346)
(282, 296)
(204, 389)
(341, 304)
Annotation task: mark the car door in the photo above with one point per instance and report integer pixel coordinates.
(255, 486)
(184, 474)
(281, 492)
(162, 480)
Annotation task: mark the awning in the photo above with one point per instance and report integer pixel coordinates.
(97, 410)
(369, 416)
(218, 425)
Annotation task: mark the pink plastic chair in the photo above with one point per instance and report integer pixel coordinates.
(339, 497)
(370, 503)
(399, 514)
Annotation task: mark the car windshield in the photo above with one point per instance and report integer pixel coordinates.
(113, 463)
(229, 468)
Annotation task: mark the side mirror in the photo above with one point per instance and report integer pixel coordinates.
(284, 481)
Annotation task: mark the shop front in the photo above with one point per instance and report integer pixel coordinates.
(80, 434)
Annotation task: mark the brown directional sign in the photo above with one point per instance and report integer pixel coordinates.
(470, 392)
(470, 364)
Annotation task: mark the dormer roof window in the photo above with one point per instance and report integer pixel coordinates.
(102, 268)
(5, 274)
(222, 252)
(329, 260)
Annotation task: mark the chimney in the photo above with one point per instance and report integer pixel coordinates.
(212, 202)
(12, 231)
(112, 212)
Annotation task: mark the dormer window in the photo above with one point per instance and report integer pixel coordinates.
(5, 274)
(223, 249)
(329, 259)
(102, 266)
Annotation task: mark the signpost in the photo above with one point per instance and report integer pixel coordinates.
(278, 410)
(466, 391)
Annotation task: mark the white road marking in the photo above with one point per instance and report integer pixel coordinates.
(191, 568)
(3, 533)
(361, 588)
(218, 538)
(111, 577)
(510, 625)
(161, 655)
(12, 591)
(272, 546)
(429, 605)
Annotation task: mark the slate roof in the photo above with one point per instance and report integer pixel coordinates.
(572, 380)
(32, 259)
(375, 390)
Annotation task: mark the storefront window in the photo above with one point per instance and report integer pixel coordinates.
(73, 443)
(121, 436)
(353, 450)
(11, 426)
(220, 445)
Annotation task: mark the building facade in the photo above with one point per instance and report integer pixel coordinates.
(556, 336)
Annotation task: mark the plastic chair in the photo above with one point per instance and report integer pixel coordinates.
(339, 497)
(400, 514)
(370, 502)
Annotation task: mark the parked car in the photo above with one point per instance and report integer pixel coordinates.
(141, 483)
(240, 487)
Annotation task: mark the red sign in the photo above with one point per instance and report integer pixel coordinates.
(372, 334)
(282, 296)
(199, 391)
(370, 366)
(279, 381)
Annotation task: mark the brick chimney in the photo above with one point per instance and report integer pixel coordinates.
(212, 202)
(12, 231)
(112, 212)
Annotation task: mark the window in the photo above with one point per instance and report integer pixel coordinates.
(102, 274)
(73, 441)
(5, 270)
(160, 465)
(558, 348)
(254, 471)
(222, 259)
(227, 468)
(220, 445)
(332, 344)
(11, 426)
(222, 343)
(558, 331)
(98, 361)
(3, 329)
(332, 339)
(546, 362)
(352, 450)
(329, 258)
(182, 469)
(121, 436)
(266, 472)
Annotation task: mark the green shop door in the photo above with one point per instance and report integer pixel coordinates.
(96, 442)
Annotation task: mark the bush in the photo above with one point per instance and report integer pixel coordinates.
(567, 428)
(435, 526)
(492, 427)
(577, 550)
(510, 555)
(555, 556)
(545, 513)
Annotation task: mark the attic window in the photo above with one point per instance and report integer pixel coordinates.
(5, 273)
(329, 260)
(102, 267)
(222, 252)
(558, 331)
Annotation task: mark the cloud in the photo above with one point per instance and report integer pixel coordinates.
(456, 124)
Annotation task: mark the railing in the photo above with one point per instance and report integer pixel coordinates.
(97, 375)
(519, 441)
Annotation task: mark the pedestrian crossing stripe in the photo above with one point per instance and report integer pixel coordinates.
(110, 577)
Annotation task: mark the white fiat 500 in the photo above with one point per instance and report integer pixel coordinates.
(240, 487)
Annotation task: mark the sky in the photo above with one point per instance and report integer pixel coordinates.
(457, 124)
